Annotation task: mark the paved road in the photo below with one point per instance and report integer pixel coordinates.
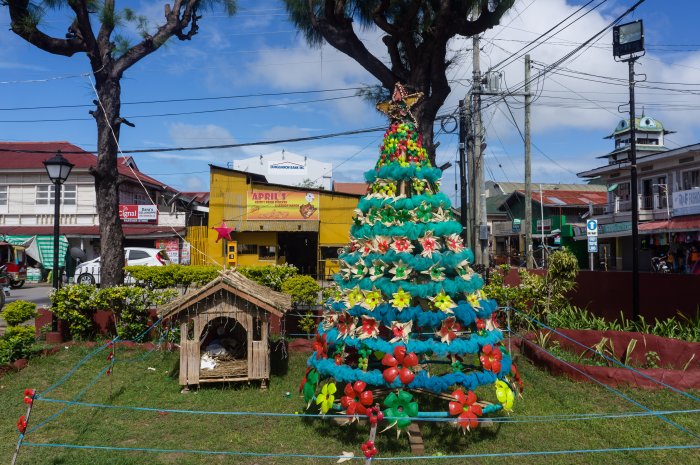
(33, 292)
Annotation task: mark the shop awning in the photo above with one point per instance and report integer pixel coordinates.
(677, 224)
(40, 248)
(141, 231)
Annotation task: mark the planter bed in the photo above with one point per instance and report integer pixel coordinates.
(673, 355)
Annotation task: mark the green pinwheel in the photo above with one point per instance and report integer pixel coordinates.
(308, 389)
(400, 409)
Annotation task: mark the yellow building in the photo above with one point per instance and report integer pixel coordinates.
(276, 224)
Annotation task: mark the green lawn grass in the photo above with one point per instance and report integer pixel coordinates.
(149, 381)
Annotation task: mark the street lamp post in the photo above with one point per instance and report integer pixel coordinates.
(58, 169)
(628, 45)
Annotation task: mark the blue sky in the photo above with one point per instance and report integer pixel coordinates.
(258, 51)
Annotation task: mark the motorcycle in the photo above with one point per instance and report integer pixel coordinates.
(659, 265)
(4, 285)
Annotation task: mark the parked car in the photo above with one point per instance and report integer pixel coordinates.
(89, 272)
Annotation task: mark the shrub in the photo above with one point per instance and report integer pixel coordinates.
(16, 343)
(303, 289)
(75, 305)
(271, 276)
(162, 277)
(131, 307)
(19, 311)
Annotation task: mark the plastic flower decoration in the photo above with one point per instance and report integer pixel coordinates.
(382, 244)
(449, 329)
(356, 399)
(424, 212)
(326, 398)
(387, 215)
(473, 300)
(329, 319)
(400, 409)
(372, 299)
(401, 299)
(429, 244)
(346, 325)
(366, 247)
(320, 346)
(369, 328)
(419, 186)
(399, 365)
(377, 270)
(504, 395)
(454, 243)
(436, 272)
(443, 302)
(308, 385)
(354, 297)
(464, 271)
(359, 270)
(401, 331)
(402, 244)
(466, 409)
(400, 271)
(491, 358)
(403, 216)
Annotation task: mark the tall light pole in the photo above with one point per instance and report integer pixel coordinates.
(628, 45)
(58, 169)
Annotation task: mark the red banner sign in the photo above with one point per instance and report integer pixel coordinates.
(138, 213)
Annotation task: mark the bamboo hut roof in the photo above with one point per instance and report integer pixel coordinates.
(235, 283)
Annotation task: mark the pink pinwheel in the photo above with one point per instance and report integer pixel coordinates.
(491, 358)
(466, 409)
(356, 399)
(400, 364)
(454, 243)
(449, 329)
(369, 328)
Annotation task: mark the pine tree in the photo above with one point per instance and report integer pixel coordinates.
(409, 316)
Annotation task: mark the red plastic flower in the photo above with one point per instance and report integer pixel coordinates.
(516, 376)
(480, 324)
(369, 449)
(22, 424)
(449, 329)
(320, 346)
(346, 325)
(491, 358)
(400, 365)
(369, 328)
(356, 399)
(466, 409)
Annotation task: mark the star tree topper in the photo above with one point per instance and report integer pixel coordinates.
(223, 231)
(400, 104)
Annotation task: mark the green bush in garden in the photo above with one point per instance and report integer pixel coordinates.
(303, 289)
(131, 306)
(17, 312)
(271, 276)
(163, 277)
(75, 305)
(16, 343)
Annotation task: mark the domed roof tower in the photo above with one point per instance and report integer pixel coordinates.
(649, 136)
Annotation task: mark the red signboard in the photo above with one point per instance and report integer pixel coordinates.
(138, 213)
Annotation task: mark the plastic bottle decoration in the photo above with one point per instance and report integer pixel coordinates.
(409, 305)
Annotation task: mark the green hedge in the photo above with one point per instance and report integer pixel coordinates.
(303, 289)
(271, 276)
(163, 277)
(17, 312)
(16, 343)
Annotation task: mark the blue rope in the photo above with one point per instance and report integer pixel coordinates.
(688, 395)
(610, 388)
(427, 417)
(336, 457)
(75, 368)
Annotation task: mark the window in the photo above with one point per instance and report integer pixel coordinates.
(690, 179)
(247, 249)
(3, 195)
(46, 194)
(266, 252)
(138, 255)
(623, 191)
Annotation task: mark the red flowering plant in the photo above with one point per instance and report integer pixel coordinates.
(466, 409)
(356, 398)
(400, 365)
(491, 358)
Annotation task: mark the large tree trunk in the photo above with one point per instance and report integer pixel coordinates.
(107, 183)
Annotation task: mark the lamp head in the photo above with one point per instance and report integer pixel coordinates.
(58, 168)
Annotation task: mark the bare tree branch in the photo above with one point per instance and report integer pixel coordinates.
(24, 26)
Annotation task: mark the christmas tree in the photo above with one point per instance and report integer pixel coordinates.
(409, 315)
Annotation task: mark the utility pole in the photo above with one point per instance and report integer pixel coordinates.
(635, 199)
(463, 142)
(528, 172)
(481, 239)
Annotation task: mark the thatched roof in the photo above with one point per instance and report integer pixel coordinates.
(232, 281)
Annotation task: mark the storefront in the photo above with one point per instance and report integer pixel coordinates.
(276, 224)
